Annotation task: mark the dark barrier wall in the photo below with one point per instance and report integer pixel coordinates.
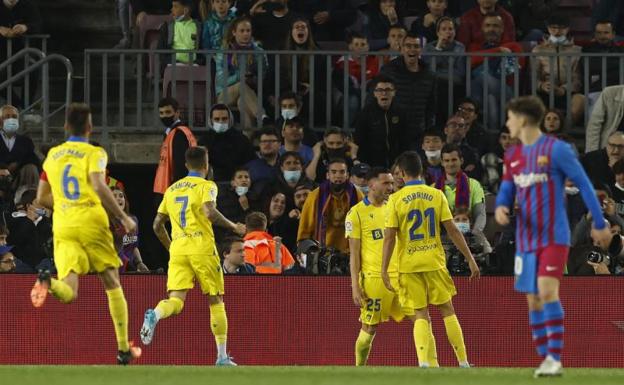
(303, 321)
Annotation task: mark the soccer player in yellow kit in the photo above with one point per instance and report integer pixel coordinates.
(74, 186)
(190, 204)
(413, 219)
(364, 227)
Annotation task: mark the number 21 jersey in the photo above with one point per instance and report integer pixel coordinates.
(416, 211)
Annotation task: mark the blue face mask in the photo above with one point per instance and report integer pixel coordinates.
(292, 176)
(220, 127)
(463, 227)
(241, 190)
(363, 189)
(10, 126)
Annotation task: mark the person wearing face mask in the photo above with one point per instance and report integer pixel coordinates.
(433, 141)
(358, 177)
(381, 126)
(291, 108)
(236, 201)
(335, 144)
(325, 209)
(30, 229)
(17, 152)
(181, 33)
(567, 60)
(227, 146)
(178, 138)
(461, 218)
(290, 176)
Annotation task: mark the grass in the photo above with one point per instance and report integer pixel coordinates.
(304, 375)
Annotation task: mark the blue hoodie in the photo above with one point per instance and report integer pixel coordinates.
(214, 29)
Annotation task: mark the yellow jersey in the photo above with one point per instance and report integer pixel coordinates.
(366, 222)
(416, 211)
(67, 168)
(191, 230)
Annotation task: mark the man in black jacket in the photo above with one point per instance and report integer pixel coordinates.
(17, 152)
(598, 164)
(381, 127)
(237, 201)
(415, 89)
(603, 42)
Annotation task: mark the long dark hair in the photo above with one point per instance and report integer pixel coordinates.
(310, 45)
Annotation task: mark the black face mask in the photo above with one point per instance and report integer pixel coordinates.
(336, 153)
(273, 7)
(168, 121)
(338, 187)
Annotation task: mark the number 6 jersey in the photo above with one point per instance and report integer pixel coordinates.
(416, 211)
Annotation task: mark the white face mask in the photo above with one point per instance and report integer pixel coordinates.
(292, 176)
(619, 187)
(10, 126)
(557, 39)
(289, 114)
(241, 190)
(463, 227)
(433, 154)
(571, 190)
(220, 127)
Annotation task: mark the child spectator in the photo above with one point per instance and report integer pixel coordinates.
(127, 244)
(182, 33)
(216, 24)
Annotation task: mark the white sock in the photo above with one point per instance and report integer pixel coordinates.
(158, 314)
(221, 351)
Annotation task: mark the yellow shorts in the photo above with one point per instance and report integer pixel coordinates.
(418, 290)
(382, 303)
(84, 250)
(183, 269)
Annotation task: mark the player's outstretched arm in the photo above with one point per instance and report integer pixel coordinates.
(458, 240)
(217, 219)
(98, 182)
(159, 229)
(388, 247)
(44, 195)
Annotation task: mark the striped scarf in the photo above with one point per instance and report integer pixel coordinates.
(323, 203)
(462, 188)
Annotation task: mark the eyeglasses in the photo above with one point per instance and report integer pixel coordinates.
(9, 261)
(384, 90)
(269, 141)
(614, 146)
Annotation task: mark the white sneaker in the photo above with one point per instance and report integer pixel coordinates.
(549, 368)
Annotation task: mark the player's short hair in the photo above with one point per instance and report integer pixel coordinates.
(449, 148)
(169, 101)
(531, 107)
(410, 163)
(77, 118)
(195, 157)
(256, 221)
(225, 247)
(375, 172)
(618, 167)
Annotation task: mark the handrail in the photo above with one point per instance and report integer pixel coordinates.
(21, 54)
(45, 84)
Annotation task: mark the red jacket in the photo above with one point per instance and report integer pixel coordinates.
(469, 31)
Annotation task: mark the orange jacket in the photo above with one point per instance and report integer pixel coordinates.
(260, 252)
(164, 173)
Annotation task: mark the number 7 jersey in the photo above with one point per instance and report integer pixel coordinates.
(416, 211)
(67, 168)
(191, 230)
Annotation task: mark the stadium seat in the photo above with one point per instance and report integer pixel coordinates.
(184, 77)
(148, 28)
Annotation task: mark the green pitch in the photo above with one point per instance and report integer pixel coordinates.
(304, 375)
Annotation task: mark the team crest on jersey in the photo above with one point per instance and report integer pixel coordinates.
(348, 226)
(377, 234)
(542, 161)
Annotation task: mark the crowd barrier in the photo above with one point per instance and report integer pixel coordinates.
(296, 320)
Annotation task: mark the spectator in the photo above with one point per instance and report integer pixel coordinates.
(358, 76)
(553, 122)
(358, 177)
(292, 132)
(547, 82)
(271, 20)
(398, 179)
(455, 130)
(290, 107)
(415, 89)
(178, 138)
(17, 152)
(461, 218)
(280, 224)
(476, 137)
(301, 194)
(530, 17)
(493, 34)
(291, 176)
(598, 163)
(233, 255)
(444, 41)
(4, 231)
(181, 33)
(492, 162)
(123, 13)
(381, 126)
(7, 259)
(235, 88)
(612, 10)
(30, 233)
(329, 18)
(395, 37)
(217, 22)
(265, 166)
(382, 15)
(605, 118)
(264, 251)
(470, 24)
(618, 188)
(460, 190)
(324, 212)
(432, 146)
(126, 244)
(427, 25)
(335, 144)
(236, 201)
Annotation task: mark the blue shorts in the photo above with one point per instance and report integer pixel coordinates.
(549, 261)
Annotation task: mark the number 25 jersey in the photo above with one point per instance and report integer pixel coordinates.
(191, 230)
(417, 211)
(67, 168)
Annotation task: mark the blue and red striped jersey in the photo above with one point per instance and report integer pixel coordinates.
(535, 175)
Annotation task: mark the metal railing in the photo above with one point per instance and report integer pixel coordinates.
(22, 42)
(109, 70)
(42, 64)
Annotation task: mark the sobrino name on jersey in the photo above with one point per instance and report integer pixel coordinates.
(417, 195)
(528, 180)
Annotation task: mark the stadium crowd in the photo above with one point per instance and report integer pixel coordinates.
(292, 187)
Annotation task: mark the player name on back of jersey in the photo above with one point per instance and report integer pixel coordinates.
(181, 235)
(417, 195)
(68, 151)
(183, 184)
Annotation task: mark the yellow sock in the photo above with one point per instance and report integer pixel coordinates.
(362, 347)
(456, 338)
(119, 313)
(432, 353)
(62, 291)
(219, 327)
(421, 340)
(168, 307)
